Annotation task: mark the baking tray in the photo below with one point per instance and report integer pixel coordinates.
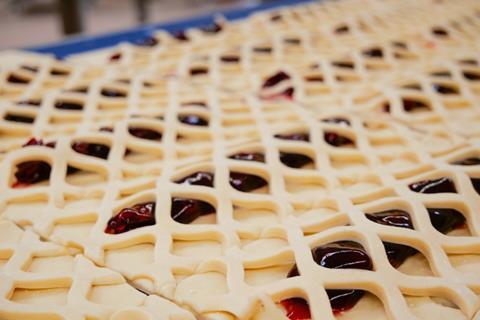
(86, 43)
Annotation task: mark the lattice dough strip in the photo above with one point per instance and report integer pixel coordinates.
(37, 270)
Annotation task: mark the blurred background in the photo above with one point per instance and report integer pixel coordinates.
(26, 23)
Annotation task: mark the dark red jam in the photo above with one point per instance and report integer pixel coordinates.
(197, 71)
(393, 218)
(18, 118)
(246, 182)
(68, 105)
(230, 59)
(294, 160)
(140, 215)
(92, 149)
(193, 120)
(470, 161)
(446, 219)
(472, 76)
(294, 137)
(30, 103)
(476, 184)
(414, 105)
(187, 210)
(296, 309)
(30, 172)
(115, 57)
(249, 156)
(337, 120)
(144, 133)
(147, 42)
(180, 36)
(38, 142)
(336, 140)
(275, 79)
(336, 255)
(112, 93)
(444, 89)
(17, 80)
(398, 253)
(199, 178)
(440, 185)
(373, 53)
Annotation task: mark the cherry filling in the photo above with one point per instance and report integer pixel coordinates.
(400, 45)
(18, 118)
(140, 215)
(293, 41)
(106, 129)
(446, 219)
(144, 133)
(38, 142)
(180, 36)
(193, 120)
(198, 71)
(17, 80)
(413, 86)
(275, 79)
(251, 156)
(343, 64)
(472, 76)
(398, 253)
(336, 255)
(411, 105)
(443, 184)
(343, 300)
(230, 59)
(33, 103)
(444, 89)
(246, 182)
(64, 105)
(438, 31)
(443, 74)
(199, 178)
(30, 172)
(187, 210)
(213, 28)
(285, 94)
(373, 53)
(112, 93)
(262, 49)
(393, 218)
(296, 309)
(470, 62)
(314, 78)
(476, 184)
(58, 72)
(342, 255)
(92, 149)
(340, 121)
(115, 57)
(294, 137)
(336, 140)
(342, 29)
(471, 161)
(147, 42)
(294, 160)
(79, 90)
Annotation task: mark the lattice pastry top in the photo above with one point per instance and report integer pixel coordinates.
(329, 195)
(271, 168)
